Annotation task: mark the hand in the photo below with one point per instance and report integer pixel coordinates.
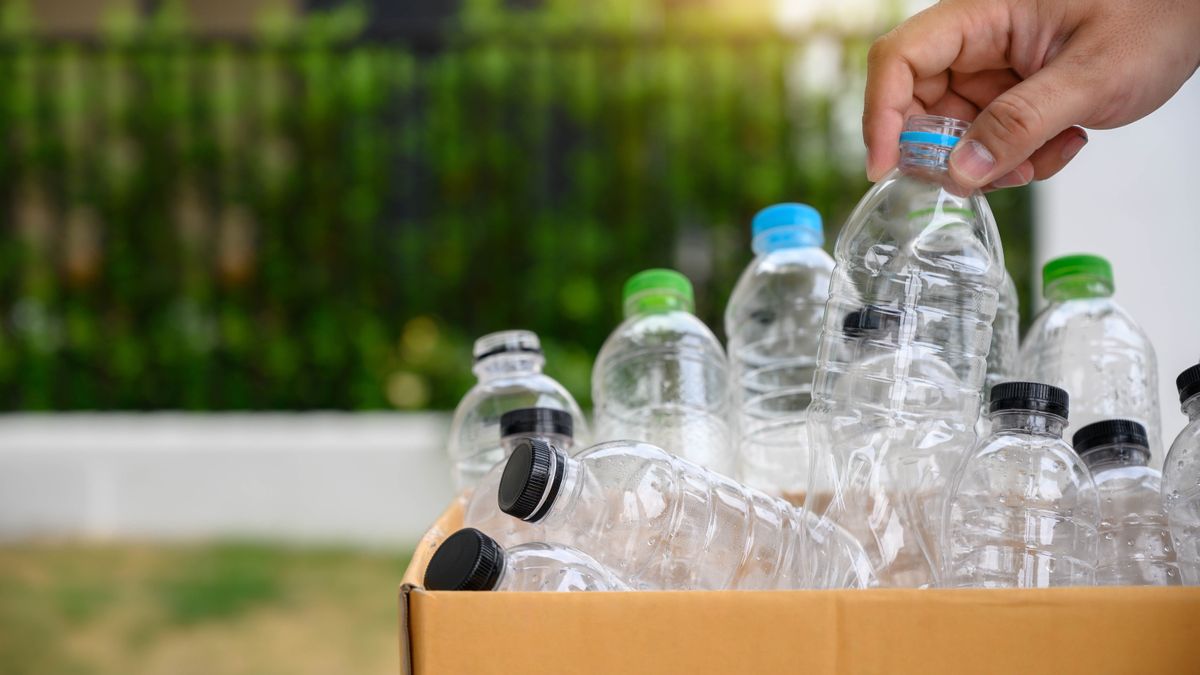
(1030, 74)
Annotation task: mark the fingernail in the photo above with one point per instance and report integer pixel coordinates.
(1010, 179)
(1073, 146)
(972, 161)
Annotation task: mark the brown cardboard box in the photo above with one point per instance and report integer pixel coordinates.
(1084, 631)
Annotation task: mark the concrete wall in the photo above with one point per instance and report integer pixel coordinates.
(1133, 196)
(373, 479)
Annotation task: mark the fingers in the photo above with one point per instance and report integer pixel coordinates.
(1046, 161)
(1018, 122)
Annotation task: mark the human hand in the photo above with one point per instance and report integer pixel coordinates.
(1030, 74)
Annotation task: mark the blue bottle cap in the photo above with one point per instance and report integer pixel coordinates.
(787, 225)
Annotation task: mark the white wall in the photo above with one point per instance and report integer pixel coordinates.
(373, 479)
(1133, 196)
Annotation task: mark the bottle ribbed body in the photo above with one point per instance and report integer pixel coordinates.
(1022, 512)
(895, 400)
(662, 378)
(1181, 494)
(1093, 348)
(663, 522)
(1135, 546)
(773, 324)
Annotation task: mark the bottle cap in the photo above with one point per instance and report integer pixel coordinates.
(531, 480)
(657, 290)
(537, 421)
(1033, 396)
(1081, 266)
(507, 341)
(1188, 383)
(1110, 432)
(467, 560)
(787, 225)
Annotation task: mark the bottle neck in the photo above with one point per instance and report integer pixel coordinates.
(1116, 456)
(509, 365)
(1077, 288)
(1191, 408)
(560, 511)
(1028, 421)
(924, 158)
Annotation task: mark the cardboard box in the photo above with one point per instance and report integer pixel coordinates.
(1084, 631)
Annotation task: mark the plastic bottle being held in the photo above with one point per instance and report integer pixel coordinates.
(509, 367)
(1022, 510)
(1002, 357)
(469, 560)
(662, 522)
(773, 323)
(1134, 544)
(1084, 342)
(661, 377)
(482, 512)
(1181, 480)
(894, 408)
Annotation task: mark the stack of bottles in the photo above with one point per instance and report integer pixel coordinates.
(874, 422)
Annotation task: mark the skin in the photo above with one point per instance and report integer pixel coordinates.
(1030, 74)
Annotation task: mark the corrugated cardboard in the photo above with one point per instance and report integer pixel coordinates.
(1085, 631)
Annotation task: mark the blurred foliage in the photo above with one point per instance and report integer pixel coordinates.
(308, 220)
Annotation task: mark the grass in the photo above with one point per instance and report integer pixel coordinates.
(217, 609)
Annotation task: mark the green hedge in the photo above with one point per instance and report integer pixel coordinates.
(303, 222)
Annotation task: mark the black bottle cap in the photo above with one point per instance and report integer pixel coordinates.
(1188, 383)
(1109, 432)
(537, 421)
(1033, 396)
(531, 480)
(467, 560)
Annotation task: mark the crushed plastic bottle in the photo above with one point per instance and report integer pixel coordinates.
(469, 560)
(773, 323)
(509, 367)
(1022, 510)
(894, 408)
(661, 522)
(1135, 545)
(661, 377)
(482, 513)
(1181, 481)
(1086, 343)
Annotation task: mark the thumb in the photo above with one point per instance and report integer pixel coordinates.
(1019, 121)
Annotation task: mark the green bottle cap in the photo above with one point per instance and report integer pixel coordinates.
(657, 290)
(1077, 276)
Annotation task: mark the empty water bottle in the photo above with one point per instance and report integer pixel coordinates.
(661, 377)
(773, 323)
(469, 560)
(1022, 511)
(1134, 544)
(1181, 480)
(1002, 357)
(1084, 342)
(482, 512)
(894, 408)
(509, 367)
(661, 522)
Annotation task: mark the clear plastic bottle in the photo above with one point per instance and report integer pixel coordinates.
(1022, 511)
(509, 367)
(469, 560)
(773, 323)
(1181, 480)
(1084, 342)
(661, 377)
(482, 512)
(894, 410)
(661, 522)
(1134, 544)
(1002, 357)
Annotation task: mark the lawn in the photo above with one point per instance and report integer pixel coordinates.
(214, 609)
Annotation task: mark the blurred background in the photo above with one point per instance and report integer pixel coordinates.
(247, 245)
